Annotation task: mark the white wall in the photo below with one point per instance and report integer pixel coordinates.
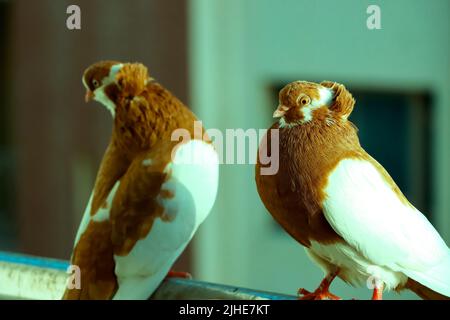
(239, 48)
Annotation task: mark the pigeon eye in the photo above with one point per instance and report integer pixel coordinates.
(95, 83)
(304, 100)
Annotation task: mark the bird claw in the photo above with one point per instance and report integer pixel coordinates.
(316, 295)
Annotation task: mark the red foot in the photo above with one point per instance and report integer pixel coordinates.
(321, 293)
(179, 274)
(317, 295)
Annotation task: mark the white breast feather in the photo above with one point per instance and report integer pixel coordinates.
(361, 207)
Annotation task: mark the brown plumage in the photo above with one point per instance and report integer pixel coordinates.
(138, 161)
(294, 195)
(314, 139)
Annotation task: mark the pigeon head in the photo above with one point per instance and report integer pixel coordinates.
(109, 81)
(300, 102)
(99, 76)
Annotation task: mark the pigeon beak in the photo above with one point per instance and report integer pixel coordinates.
(281, 110)
(89, 95)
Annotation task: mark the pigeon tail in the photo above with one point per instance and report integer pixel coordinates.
(433, 283)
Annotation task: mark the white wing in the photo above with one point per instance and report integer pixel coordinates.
(193, 182)
(362, 207)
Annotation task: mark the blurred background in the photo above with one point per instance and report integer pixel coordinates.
(226, 60)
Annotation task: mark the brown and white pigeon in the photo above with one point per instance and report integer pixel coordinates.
(150, 194)
(336, 200)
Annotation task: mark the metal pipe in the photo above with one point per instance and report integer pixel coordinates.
(28, 277)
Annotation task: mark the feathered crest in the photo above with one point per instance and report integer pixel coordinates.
(132, 78)
(343, 101)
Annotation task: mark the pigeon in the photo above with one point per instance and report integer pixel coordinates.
(337, 201)
(151, 191)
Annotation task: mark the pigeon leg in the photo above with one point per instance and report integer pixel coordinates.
(377, 293)
(179, 274)
(322, 292)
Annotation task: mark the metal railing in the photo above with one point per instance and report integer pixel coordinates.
(29, 277)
